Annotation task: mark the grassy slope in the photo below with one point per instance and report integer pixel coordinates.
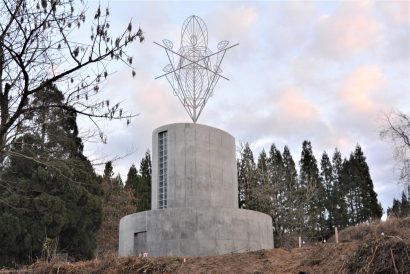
(377, 248)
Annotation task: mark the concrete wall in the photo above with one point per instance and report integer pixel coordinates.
(202, 216)
(196, 231)
(201, 167)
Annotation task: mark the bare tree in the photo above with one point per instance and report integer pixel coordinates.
(398, 131)
(38, 50)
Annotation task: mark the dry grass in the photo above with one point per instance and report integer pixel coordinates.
(382, 247)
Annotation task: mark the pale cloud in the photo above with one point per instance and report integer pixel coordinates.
(396, 30)
(156, 103)
(359, 88)
(299, 12)
(294, 107)
(310, 72)
(155, 100)
(396, 12)
(342, 143)
(236, 24)
(283, 116)
(233, 22)
(286, 27)
(351, 30)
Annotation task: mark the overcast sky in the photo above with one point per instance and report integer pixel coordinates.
(324, 71)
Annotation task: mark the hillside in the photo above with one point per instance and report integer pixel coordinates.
(377, 248)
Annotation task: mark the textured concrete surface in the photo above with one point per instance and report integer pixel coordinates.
(202, 217)
(201, 167)
(196, 231)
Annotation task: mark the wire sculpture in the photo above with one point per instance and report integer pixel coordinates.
(194, 70)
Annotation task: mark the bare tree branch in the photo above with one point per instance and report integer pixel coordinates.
(36, 51)
(398, 132)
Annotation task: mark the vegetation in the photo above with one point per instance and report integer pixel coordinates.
(379, 247)
(312, 203)
(140, 184)
(37, 50)
(117, 202)
(50, 191)
(398, 131)
(50, 197)
(400, 208)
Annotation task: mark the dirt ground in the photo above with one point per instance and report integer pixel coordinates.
(369, 248)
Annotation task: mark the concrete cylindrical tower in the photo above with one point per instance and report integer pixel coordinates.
(194, 199)
(200, 167)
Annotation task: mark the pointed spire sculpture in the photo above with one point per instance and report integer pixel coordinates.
(193, 70)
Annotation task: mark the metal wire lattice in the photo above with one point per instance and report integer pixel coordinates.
(194, 70)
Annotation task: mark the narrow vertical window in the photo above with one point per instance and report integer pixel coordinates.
(162, 168)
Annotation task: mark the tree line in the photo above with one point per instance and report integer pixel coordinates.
(50, 196)
(120, 199)
(400, 207)
(52, 200)
(311, 202)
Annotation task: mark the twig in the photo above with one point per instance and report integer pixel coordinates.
(371, 260)
(394, 263)
(236, 250)
(341, 268)
(396, 237)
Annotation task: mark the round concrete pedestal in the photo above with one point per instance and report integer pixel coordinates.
(194, 199)
(194, 232)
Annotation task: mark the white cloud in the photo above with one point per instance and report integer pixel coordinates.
(395, 12)
(345, 35)
(359, 87)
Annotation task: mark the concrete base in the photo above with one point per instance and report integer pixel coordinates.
(194, 232)
(194, 198)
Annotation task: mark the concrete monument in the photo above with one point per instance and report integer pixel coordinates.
(194, 176)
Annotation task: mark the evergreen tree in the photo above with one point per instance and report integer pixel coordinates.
(117, 203)
(261, 192)
(290, 173)
(351, 181)
(141, 183)
(246, 177)
(405, 205)
(371, 209)
(132, 178)
(53, 193)
(395, 210)
(340, 217)
(326, 178)
(400, 209)
(262, 168)
(118, 180)
(143, 189)
(108, 177)
(293, 221)
(276, 178)
(312, 190)
(108, 170)
(360, 196)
